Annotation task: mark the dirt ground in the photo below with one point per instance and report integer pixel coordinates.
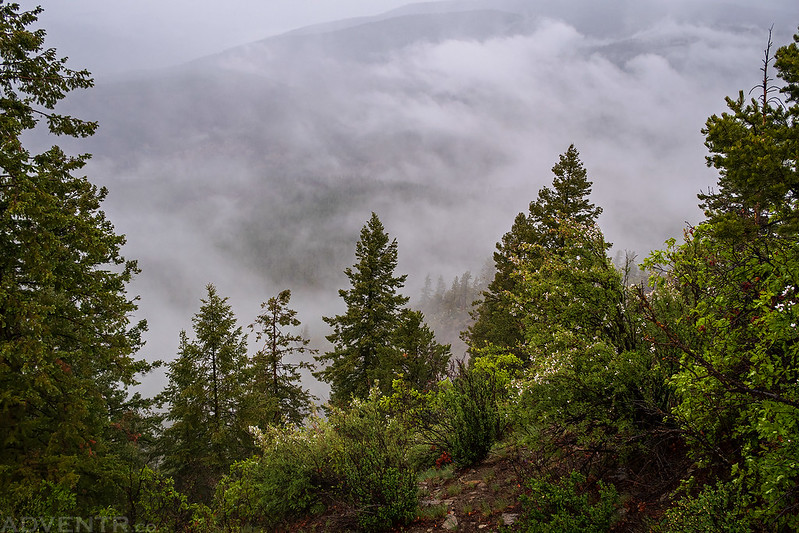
(485, 498)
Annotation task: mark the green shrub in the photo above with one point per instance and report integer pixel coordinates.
(715, 508)
(460, 419)
(288, 480)
(43, 499)
(371, 458)
(162, 506)
(474, 416)
(568, 507)
(359, 457)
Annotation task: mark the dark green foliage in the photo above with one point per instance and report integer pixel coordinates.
(475, 419)
(460, 416)
(207, 395)
(361, 337)
(590, 379)
(421, 360)
(66, 342)
(357, 460)
(568, 198)
(755, 147)
(277, 393)
(495, 323)
(738, 400)
(736, 277)
(159, 507)
(568, 506)
(42, 499)
(716, 508)
(371, 458)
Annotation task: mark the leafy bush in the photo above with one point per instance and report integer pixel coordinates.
(474, 415)
(162, 508)
(43, 499)
(567, 507)
(459, 420)
(715, 508)
(371, 458)
(290, 479)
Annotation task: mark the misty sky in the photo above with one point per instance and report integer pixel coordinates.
(110, 36)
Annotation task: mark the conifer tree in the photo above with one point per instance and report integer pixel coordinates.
(754, 147)
(421, 360)
(362, 335)
(567, 199)
(279, 397)
(207, 395)
(66, 343)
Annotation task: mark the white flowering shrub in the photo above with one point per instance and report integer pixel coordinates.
(291, 478)
(589, 379)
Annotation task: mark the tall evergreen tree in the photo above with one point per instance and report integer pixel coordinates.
(362, 335)
(279, 397)
(567, 199)
(207, 395)
(66, 344)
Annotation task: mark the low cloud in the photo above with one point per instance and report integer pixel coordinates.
(256, 169)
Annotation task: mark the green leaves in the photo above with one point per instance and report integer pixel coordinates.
(736, 276)
(568, 506)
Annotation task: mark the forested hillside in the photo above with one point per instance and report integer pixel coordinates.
(612, 401)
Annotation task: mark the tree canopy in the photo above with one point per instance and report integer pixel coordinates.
(279, 396)
(66, 342)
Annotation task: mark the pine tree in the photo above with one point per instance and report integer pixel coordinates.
(421, 361)
(427, 292)
(66, 344)
(567, 199)
(207, 395)
(362, 335)
(755, 147)
(279, 396)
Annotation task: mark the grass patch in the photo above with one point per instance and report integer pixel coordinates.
(485, 508)
(454, 489)
(433, 512)
(438, 474)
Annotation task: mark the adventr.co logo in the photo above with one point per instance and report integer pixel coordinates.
(72, 524)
